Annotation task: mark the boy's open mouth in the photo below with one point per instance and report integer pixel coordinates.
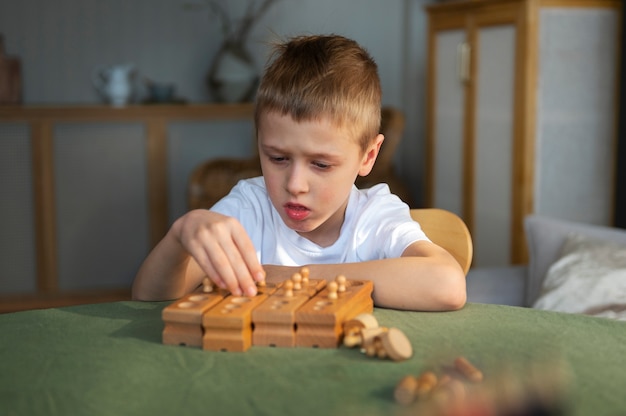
(296, 212)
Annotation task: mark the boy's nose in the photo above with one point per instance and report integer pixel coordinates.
(296, 180)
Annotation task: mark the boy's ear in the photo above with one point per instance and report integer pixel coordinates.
(370, 155)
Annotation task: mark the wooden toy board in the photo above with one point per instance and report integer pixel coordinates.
(282, 315)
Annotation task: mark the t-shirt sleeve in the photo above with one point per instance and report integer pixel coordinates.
(385, 225)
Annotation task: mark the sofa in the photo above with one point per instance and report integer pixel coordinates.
(573, 267)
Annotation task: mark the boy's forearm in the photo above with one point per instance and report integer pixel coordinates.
(409, 283)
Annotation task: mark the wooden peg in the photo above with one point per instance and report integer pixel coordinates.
(341, 283)
(207, 285)
(468, 370)
(297, 281)
(288, 286)
(304, 272)
(332, 290)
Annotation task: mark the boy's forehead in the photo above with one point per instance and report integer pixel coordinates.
(317, 131)
(325, 121)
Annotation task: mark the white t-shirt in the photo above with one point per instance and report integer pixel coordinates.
(377, 225)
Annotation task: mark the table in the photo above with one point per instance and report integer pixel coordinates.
(107, 359)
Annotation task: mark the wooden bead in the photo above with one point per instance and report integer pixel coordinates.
(425, 384)
(396, 345)
(405, 391)
(468, 370)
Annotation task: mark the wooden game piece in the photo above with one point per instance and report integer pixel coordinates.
(359, 322)
(274, 320)
(183, 318)
(341, 283)
(352, 329)
(352, 340)
(405, 391)
(332, 290)
(228, 325)
(396, 345)
(448, 391)
(440, 394)
(426, 382)
(468, 370)
(305, 273)
(320, 320)
(379, 349)
(368, 336)
(267, 288)
(297, 281)
(288, 288)
(207, 285)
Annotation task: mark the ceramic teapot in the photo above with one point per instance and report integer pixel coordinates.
(115, 83)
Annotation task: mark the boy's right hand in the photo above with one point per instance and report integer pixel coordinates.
(221, 247)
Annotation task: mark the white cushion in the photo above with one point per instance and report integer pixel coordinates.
(588, 278)
(545, 237)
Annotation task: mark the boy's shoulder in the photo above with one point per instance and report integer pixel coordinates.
(256, 184)
(377, 201)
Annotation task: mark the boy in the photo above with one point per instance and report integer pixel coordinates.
(317, 118)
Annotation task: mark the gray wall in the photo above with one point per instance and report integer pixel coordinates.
(62, 42)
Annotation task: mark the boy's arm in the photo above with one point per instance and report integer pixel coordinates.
(425, 278)
(200, 243)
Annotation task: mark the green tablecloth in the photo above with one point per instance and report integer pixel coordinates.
(108, 359)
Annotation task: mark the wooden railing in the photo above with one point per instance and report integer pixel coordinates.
(41, 120)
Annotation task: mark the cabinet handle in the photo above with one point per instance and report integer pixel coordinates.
(463, 62)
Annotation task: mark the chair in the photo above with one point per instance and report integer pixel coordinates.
(448, 231)
(214, 178)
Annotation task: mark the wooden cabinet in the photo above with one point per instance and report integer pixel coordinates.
(521, 115)
(88, 190)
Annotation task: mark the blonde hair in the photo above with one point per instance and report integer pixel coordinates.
(314, 77)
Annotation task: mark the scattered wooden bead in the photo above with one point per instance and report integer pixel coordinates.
(352, 340)
(396, 344)
(425, 384)
(359, 322)
(368, 335)
(468, 370)
(405, 391)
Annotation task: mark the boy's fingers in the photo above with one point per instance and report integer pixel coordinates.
(215, 263)
(241, 273)
(249, 257)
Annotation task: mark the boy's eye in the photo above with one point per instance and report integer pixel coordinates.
(321, 165)
(277, 159)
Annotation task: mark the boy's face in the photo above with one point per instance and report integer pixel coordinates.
(309, 169)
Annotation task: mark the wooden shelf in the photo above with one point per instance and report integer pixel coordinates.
(92, 113)
(41, 120)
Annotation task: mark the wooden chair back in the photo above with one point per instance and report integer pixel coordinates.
(447, 230)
